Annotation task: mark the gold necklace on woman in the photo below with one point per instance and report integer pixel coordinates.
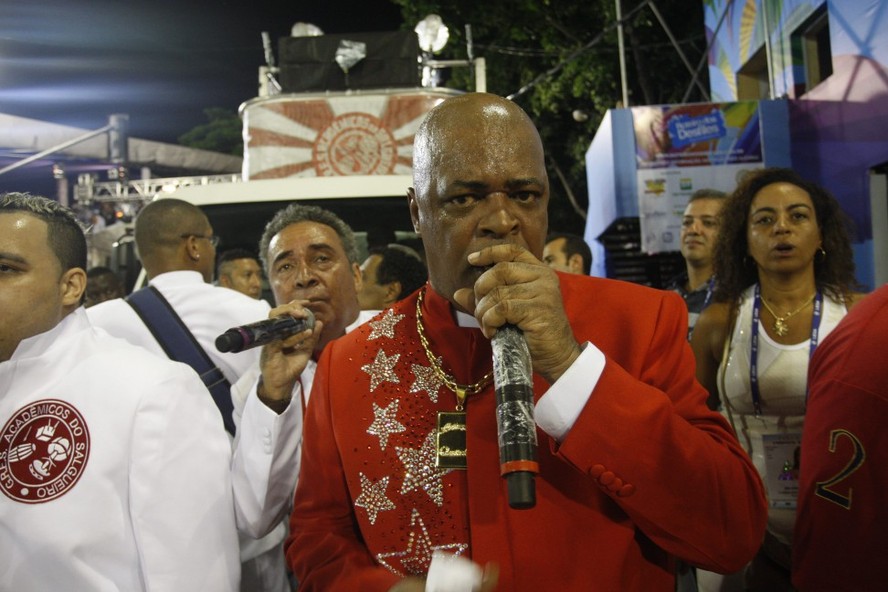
(780, 326)
(450, 441)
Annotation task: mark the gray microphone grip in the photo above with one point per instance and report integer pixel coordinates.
(516, 428)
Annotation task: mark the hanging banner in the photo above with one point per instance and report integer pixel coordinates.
(682, 148)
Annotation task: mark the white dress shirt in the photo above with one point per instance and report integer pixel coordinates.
(268, 447)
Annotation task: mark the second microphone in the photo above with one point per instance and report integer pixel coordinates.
(244, 337)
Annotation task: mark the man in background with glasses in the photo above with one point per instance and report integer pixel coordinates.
(177, 248)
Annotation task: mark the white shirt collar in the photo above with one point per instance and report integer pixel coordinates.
(363, 317)
(466, 321)
(177, 278)
(37, 345)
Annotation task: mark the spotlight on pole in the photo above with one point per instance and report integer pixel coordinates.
(433, 35)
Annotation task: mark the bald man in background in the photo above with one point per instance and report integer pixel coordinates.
(177, 248)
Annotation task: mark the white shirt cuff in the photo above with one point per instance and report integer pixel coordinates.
(558, 409)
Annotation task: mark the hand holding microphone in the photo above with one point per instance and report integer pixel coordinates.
(531, 293)
(238, 339)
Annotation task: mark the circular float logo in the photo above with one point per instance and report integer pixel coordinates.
(355, 144)
(43, 451)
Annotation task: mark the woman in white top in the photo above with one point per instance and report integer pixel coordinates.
(785, 278)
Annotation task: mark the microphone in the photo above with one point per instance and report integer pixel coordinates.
(516, 429)
(238, 339)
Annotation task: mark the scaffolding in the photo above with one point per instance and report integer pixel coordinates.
(89, 190)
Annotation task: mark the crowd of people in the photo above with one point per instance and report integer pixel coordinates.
(363, 452)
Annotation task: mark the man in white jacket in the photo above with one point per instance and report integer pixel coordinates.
(114, 466)
(177, 248)
(311, 261)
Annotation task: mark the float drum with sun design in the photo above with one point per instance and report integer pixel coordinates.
(334, 134)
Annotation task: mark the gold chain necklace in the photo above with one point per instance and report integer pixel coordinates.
(461, 390)
(780, 326)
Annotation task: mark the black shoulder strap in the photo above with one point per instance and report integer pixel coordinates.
(179, 344)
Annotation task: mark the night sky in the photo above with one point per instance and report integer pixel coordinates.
(162, 62)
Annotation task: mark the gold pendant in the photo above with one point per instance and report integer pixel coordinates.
(780, 327)
(450, 444)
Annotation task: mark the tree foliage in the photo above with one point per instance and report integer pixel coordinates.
(560, 57)
(222, 133)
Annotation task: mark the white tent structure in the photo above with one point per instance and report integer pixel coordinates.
(24, 136)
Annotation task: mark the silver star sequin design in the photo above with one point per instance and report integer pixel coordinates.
(384, 327)
(385, 423)
(373, 497)
(426, 380)
(382, 369)
(420, 471)
(417, 557)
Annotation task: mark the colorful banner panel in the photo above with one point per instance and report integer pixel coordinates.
(683, 148)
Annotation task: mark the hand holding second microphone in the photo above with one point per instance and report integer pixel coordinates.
(238, 339)
(290, 335)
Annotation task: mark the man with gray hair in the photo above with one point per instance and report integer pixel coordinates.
(311, 261)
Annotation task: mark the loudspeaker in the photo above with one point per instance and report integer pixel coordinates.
(309, 63)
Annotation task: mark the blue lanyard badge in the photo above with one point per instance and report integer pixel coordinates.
(753, 361)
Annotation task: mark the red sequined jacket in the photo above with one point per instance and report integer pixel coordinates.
(646, 474)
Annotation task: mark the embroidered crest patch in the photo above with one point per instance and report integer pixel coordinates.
(43, 451)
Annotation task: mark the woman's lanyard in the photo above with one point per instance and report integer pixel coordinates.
(753, 362)
(709, 286)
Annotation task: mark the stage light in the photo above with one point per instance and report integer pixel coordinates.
(301, 29)
(433, 33)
